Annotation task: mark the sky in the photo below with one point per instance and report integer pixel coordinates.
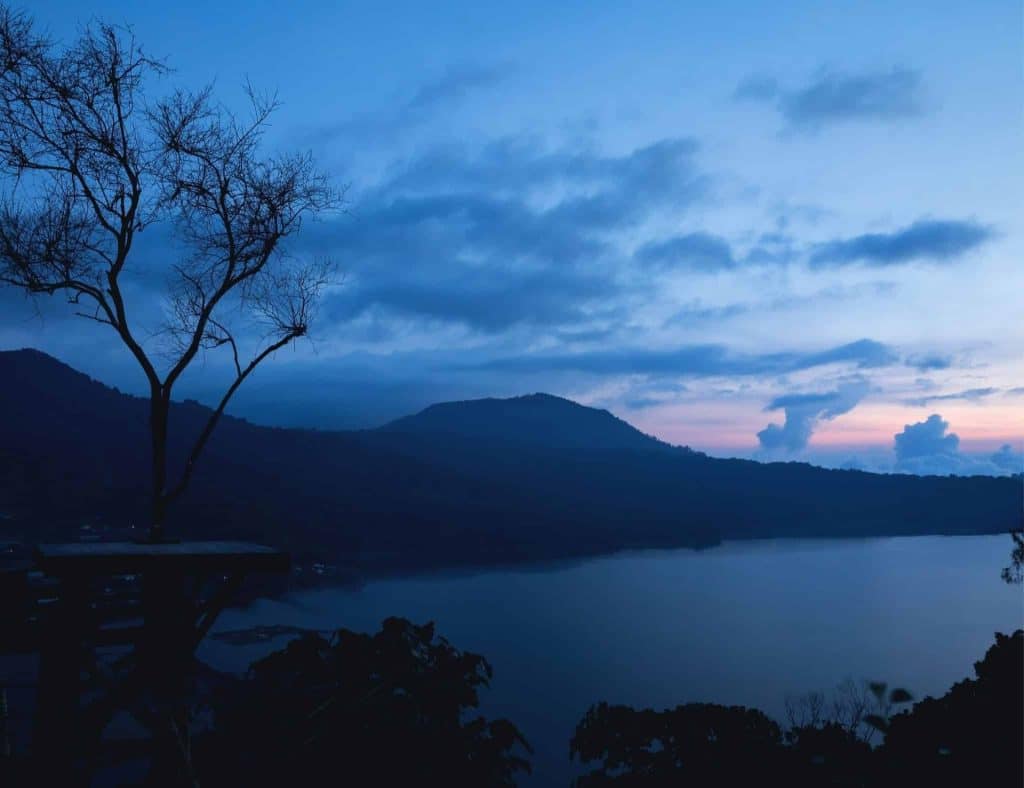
(781, 231)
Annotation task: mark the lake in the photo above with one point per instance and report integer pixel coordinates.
(743, 623)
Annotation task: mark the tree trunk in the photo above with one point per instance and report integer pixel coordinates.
(158, 431)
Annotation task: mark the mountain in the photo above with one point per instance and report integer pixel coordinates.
(477, 482)
(534, 419)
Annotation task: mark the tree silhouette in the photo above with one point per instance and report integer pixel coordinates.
(972, 735)
(87, 164)
(849, 708)
(383, 709)
(696, 743)
(1014, 573)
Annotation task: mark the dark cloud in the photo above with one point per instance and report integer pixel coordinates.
(598, 191)
(837, 97)
(776, 248)
(971, 395)
(486, 301)
(695, 251)
(460, 238)
(930, 361)
(456, 84)
(924, 240)
(693, 361)
(650, 393)
(805, 411)
(864, 354)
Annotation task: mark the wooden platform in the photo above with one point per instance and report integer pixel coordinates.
(158, 600)
(115, 558)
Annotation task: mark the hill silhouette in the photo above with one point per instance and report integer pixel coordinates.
(478, 482)
(534, 419)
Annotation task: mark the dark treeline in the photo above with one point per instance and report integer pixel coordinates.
(399, 707)
(972, 735)
(464, 483)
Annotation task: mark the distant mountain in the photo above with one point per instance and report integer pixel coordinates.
(533, 419)
(476, 482)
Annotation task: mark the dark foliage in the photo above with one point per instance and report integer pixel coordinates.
(392, 708)
(972, 735)
(828, 754)
(703, 742)
(1014, 573)
(423, 493)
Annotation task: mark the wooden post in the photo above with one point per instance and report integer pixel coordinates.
(174, 623)
(164, 655)
(62, 654)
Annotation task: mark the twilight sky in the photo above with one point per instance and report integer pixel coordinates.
(788, 230)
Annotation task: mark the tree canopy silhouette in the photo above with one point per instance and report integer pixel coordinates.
(392, 708)
(1014, 573)
(972, 735)
(87, 164)
(702, 742)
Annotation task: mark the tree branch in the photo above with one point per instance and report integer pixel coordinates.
(211, 423)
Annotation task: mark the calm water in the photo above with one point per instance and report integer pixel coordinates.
(744, 623)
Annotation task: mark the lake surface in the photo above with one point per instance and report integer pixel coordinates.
(743, 623)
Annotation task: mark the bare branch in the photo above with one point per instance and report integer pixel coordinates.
(211, 423)
(84, 167)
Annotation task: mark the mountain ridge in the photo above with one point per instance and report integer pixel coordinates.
(430, 490)
(519, 418)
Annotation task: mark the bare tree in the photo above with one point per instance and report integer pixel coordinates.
(807, 710)
(851, 702)
(859, 708)
(87, 165)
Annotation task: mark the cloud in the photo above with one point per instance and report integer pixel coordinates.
(696, 251)
(694, 361)
(599, 191)
(928, 448)
(929, 362)
(864, 354)
(935, 240)
(970, 395)
(487, 302)
(925, 440)
(456, 84)
(650, 394)
(777, 248)
(805, 411)
(696, 310)
(1009, 460)
(462, 238)
(833, 97)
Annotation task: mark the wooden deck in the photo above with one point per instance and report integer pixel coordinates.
(158, 600)
(186, 558)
